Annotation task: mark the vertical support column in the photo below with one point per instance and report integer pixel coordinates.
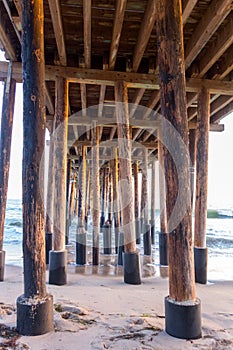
(102, 218)
(116, 212)
(200, 250)
(131, 256)
(192, 153)
(181, 306)
(81, 232)
(163, 236)
(153, 192)
(95, 194)
(144, 201)
(50, 200)
(5, 152)
(68, 190)
(87, 198)
(58, 256)
(136, 202)
(35, 306)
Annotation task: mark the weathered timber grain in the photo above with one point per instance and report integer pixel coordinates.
(5, 146)
(136, 190)
(173, 107)
(192, 153)
(60, 162)
(153, 190)
(95, 193)
(81, 187)
(162, 190)
(126, 191)
(202, 168)
(144, 197)
(33, 147)
(50, 188)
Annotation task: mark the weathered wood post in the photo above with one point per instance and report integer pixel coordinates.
(163, 236)
(182, 308)
(49, 201)
(58, 256)
(5, 152)
(136, 202)
(153, 206)
(88, 196)
(68, 191)
(145, 204)
(95, 194)
(131, 256)
(200, 250)
(116, 213)
(192, 153)
(102, 218)
(81, 232)
(35, 306)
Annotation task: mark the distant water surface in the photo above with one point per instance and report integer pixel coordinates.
(219, 241)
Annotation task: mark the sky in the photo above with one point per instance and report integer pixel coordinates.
(220, 177)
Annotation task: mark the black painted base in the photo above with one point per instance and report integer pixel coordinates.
(147, 240)
(200, 260)
(95, 256)
(183, 319)
(120, 248)
(152, 231)
(2, 264)
(138, 231)
(132, 271)
(34, 316)
(58, 267)
(48, 245)
(116, 238)
(81, 249)
(102, 221)
(107, 239)
(163, 249)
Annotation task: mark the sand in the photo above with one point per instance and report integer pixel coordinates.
(101, 312)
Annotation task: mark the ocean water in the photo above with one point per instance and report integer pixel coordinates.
(219, 241)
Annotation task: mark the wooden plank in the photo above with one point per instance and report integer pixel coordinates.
(202, 169)
(5, 146)
(87, 32)
(116, 34)
(124, 145)
(212, 19)
(219, 104)
(188, 6)
(219, 72)
(55, 11)
(173, 105)
(144, 33)
(95, 193)
(217, 48)
(33, 140)
(222, 113)
(60, 161)
(8, 47)
(132, 80)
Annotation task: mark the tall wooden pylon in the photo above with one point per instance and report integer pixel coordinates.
(35, 306)
(181, 304)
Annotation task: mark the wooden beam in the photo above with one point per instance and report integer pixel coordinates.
(154, 99)
(144, 33)
(11, 19)
(135, 101)
(132, 80)
(188, 6)
(55, 11)
(220, 71)
(219, 104)
(49, 100)
(87, 32)
(217, 48)
(8, 47)
(18, 7)
(212, 19)
(222, 113)
(116, 34)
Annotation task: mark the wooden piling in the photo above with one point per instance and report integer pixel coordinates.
(35, 306)
(5, 145)
(102, 219)
(116, 209)
(136, 202)
(203, 123)
(153, 196)
(192, 153)
(95, 194)
(131, 258)
(174, 110)
(68, 190)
